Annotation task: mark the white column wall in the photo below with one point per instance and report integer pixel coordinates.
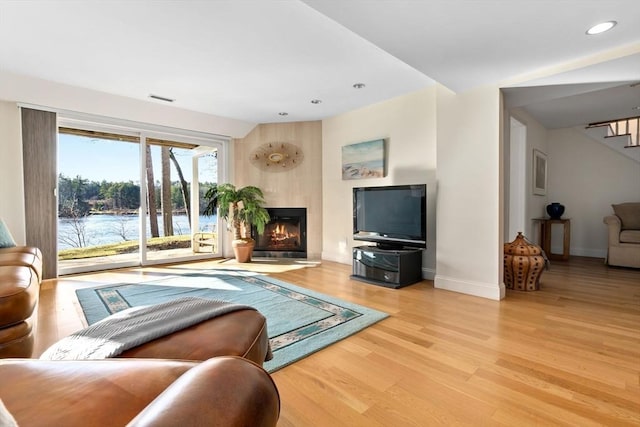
(469, 224)
(11, 182)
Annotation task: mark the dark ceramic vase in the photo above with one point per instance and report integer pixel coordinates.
(555, 210)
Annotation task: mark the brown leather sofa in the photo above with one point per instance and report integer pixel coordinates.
(223, 391)
(209, 374)
(20, 276)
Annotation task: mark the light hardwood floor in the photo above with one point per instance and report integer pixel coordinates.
(568, 354)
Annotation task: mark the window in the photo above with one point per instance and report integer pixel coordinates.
(114, 181)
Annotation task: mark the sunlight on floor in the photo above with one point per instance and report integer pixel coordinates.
(257, 265)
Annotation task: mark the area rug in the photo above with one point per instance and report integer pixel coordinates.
(300, 321)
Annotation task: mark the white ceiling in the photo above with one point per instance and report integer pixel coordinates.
(251, 59)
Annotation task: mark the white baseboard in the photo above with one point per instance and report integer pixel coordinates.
(428, 273)
(479, 289)
(588, 252)
(336, 257)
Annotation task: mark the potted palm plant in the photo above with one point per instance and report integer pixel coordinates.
(241, 209)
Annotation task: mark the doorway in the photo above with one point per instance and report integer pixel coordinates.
(517, 178)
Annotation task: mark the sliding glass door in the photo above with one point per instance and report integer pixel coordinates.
(98, 201)
(175, 225)
(133, 198)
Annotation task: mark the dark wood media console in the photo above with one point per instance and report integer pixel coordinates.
(389, 268)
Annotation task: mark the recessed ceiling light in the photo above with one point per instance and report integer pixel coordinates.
(316, 101)
(359, 85)
(601, 27)
(283, 113)
(636, 107)
(161, 98)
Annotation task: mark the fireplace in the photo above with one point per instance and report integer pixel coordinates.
(285, 236)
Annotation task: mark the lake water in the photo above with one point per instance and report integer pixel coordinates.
(105, 229)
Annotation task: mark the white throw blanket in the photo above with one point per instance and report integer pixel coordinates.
(137, 325)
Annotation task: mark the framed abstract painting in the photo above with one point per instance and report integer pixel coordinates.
(539, 173)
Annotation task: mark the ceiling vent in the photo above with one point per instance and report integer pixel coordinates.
(161, 98)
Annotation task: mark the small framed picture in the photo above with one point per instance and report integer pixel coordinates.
(539, 173)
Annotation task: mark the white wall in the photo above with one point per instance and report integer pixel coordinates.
(29, 90)
(587, 177)
(536, 138)
(11, 182)
(469, 174)
(408, 125)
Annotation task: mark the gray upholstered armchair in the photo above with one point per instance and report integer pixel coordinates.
(624, 235)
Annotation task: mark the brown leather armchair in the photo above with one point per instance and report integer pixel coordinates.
(225, 391)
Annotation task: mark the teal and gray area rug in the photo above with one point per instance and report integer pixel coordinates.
(300, 321)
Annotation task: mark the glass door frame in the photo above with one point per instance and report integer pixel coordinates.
(198, 153)
(204, 146)
(205, 142)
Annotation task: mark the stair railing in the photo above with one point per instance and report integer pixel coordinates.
(629, 127)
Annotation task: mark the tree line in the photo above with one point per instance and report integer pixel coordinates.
(82, 196)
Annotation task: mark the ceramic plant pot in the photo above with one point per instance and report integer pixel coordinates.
(243, 248)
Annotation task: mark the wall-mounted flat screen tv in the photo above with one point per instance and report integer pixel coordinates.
(393, 217)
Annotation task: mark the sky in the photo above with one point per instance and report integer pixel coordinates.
(116, 161)
(363, 152)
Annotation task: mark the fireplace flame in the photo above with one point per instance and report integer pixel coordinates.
(280, 232)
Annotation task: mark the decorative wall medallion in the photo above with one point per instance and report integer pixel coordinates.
(277, 156)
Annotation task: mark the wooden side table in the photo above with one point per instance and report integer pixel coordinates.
(545, 237)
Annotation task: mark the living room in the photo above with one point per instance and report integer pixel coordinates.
(463, 167)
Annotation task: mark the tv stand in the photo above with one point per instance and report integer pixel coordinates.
(392, 268)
